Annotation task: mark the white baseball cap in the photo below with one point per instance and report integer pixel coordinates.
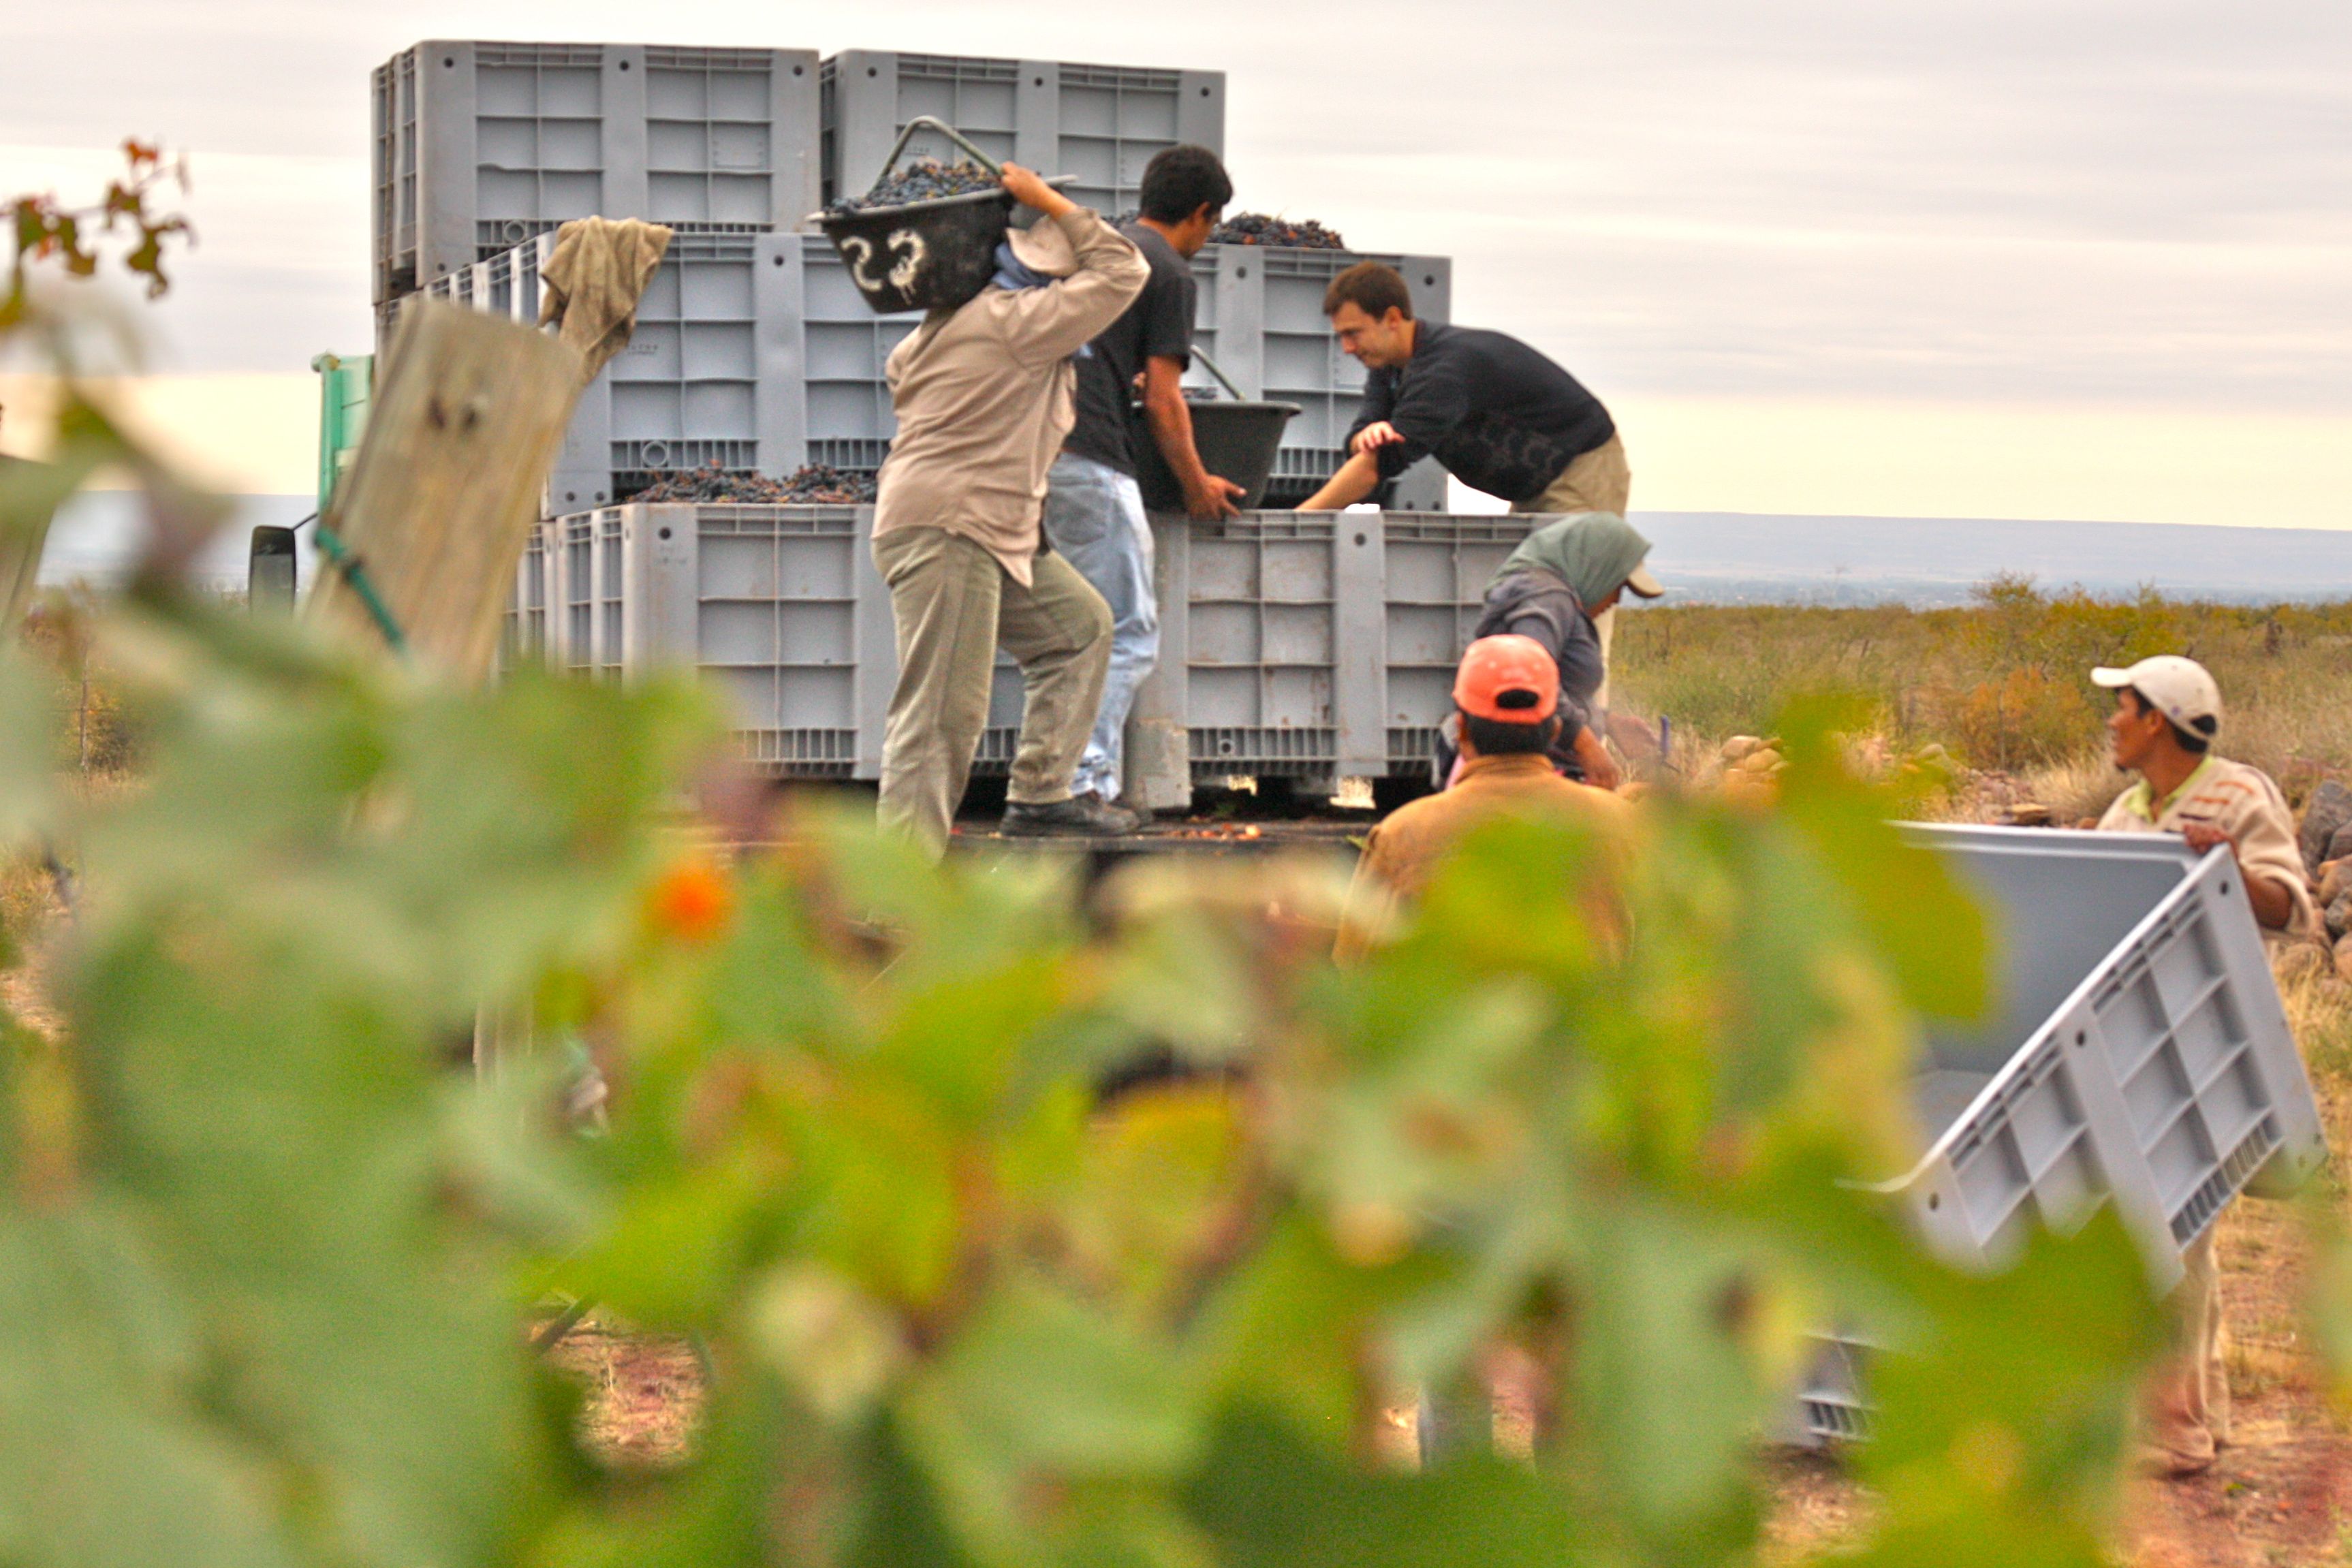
(2180, 688)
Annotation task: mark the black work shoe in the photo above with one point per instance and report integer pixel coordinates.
(1137, 821)
(1079, 816)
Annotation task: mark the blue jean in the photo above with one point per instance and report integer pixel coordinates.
(1094, 516)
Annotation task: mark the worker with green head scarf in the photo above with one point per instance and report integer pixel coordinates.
(1560, 587)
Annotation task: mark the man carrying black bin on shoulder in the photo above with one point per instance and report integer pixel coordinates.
(1094, 508)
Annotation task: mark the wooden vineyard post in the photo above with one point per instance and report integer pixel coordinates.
(446, 484)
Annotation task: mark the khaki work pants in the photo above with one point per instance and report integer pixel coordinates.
(953, 606)
(2189, 1420)
(1600, 480)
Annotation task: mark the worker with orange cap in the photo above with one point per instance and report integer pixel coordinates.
(1506, 698)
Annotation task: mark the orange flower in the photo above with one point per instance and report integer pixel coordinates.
(693, 900)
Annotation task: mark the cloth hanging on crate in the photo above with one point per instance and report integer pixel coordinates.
(594, 279)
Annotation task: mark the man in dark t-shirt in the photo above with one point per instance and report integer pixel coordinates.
(1501, 418)
(1094, 507)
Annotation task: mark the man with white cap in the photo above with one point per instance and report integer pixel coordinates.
(2167, 712)
(985, 395)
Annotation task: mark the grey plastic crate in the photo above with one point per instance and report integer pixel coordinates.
(1262, 321)
(524, 636)
(482, 145)
(712, 374)
(777, 605)
(1434, 572)
(1831, 1405)
(1292, 645)
(2141, 1057)
(846, 403)
(1313, 646)
(1269, 657)
(1101, 124)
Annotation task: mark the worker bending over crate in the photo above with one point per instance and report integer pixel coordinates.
(1499, 416)
(1555, 588)
(2167, 712)
(983, 396)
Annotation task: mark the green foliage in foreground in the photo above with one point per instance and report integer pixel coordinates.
(264, 1258)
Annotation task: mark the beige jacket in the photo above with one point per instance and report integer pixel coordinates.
(985, 395)
(2246, 807)
(1405, 850)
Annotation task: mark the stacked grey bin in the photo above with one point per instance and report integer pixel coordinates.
(1099, 125)
(1311, 648)
(483, 148)
(481, 145)
(712, 375)
(754, 351)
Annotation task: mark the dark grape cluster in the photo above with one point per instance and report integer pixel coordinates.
(924, 180)
(1257, 228)
(814, 485)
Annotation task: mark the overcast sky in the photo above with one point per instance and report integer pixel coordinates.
(2054, 206)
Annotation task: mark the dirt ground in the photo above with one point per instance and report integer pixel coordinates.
(644, 1393)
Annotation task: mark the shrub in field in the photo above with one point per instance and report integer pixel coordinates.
(1721, 670)
(2026, 718)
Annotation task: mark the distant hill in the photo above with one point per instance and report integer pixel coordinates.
(1758, 558)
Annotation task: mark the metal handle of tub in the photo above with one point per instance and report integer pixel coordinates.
(925, 122)
(1222, 379)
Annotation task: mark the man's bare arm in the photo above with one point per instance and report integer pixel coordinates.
(1359, 476)
(1207, 496)
(2273, 905)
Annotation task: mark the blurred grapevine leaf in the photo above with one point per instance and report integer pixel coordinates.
(265, 1246)
(47, 231)
(1016, 1221)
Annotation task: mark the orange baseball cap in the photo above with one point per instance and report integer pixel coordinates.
(1508, 678)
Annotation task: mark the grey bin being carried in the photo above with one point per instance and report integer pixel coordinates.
(2141, 1057)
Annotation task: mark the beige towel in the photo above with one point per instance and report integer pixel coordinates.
(594, 279)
